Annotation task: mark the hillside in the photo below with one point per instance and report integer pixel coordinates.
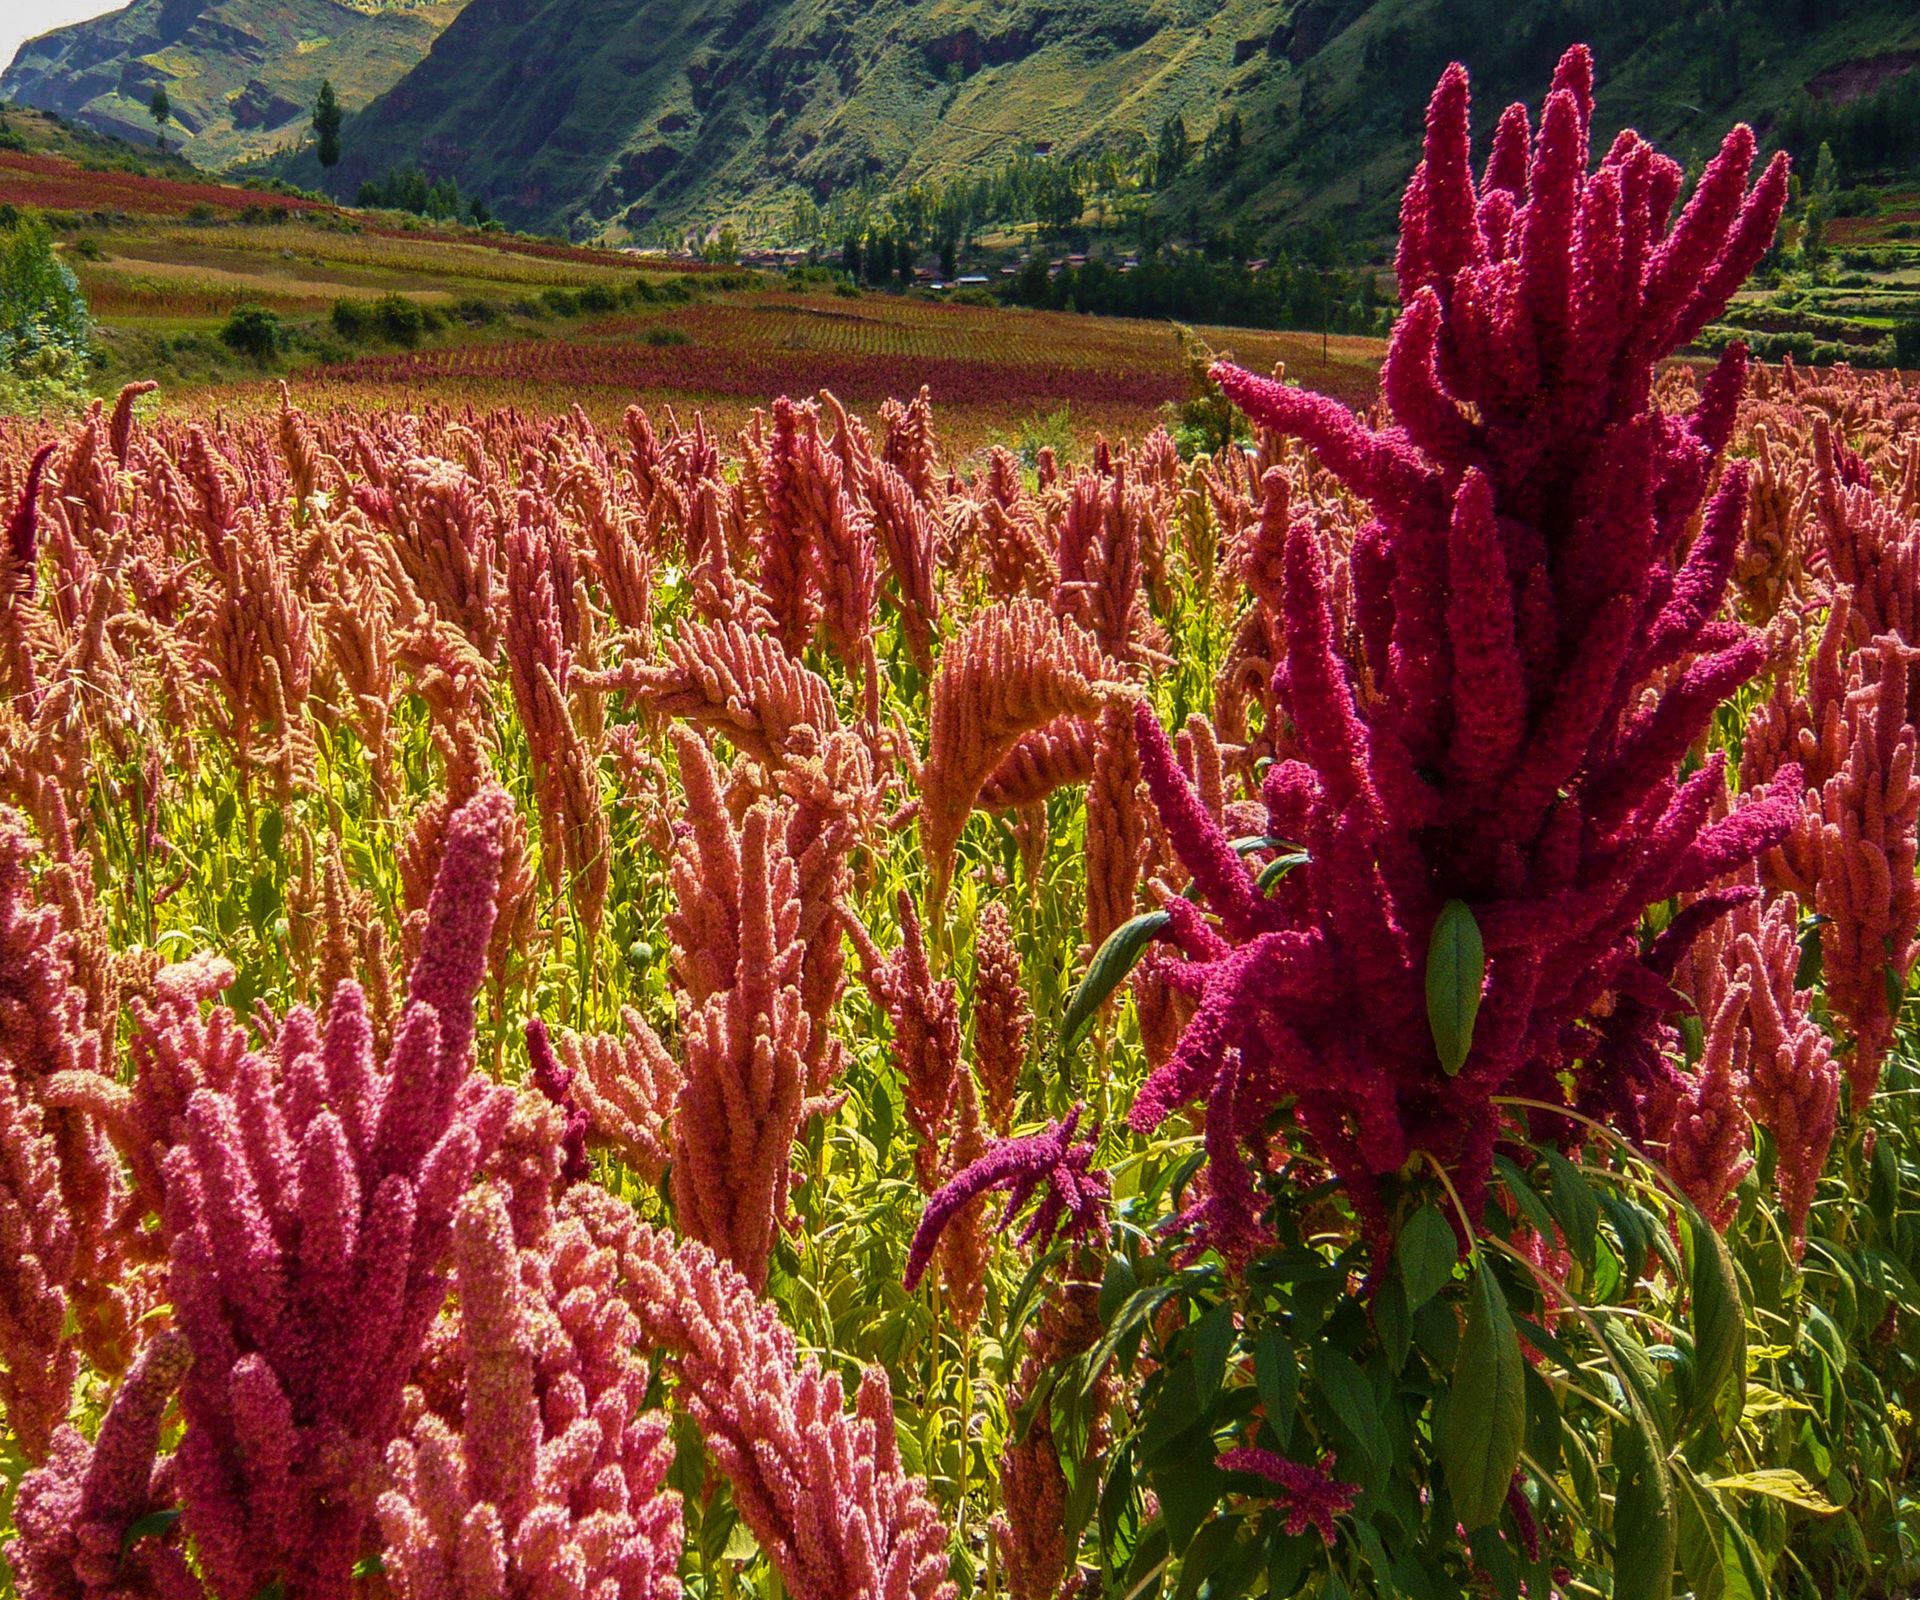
(241, 74)
(590, 115)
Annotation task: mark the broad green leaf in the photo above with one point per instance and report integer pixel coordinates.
(1116, 1283)
(1525, 1196)
(1212, 1344)
(1203, 1557)
(1573, 1203)
(1140, 1304)
(1641, 1379)
(1352, 1400)
(1109, 968)
(1456, 973)
(1645, 1532)
(1719, 1386)
(1777, 1483)
(1715, 1553)
(1426, 1253)
(1276, 1374)
(1634, 1230)
(1486, 1415)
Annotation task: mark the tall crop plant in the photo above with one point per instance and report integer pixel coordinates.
(678, 1011)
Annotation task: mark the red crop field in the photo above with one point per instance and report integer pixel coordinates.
(756, 994)
(983, 359)
(53, 183)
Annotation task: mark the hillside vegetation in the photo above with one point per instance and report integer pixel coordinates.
(241, 75)
(597, 115)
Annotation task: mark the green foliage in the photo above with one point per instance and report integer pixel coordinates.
(1456, 973)
(326, 125)
(255, 332)
(408, 188)
(45, 328)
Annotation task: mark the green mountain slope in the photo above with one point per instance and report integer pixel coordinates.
(576, 113)
(619, 118)
(241, 74)
(586, 115)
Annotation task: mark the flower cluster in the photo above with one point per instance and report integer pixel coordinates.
(1539, 647)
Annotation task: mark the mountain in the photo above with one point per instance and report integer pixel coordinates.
(613, 116)
(241, 74)
(618, 119)
(572, 114)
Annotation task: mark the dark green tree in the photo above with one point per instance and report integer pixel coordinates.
(326, 125)
(1171, 154)
(160, 108)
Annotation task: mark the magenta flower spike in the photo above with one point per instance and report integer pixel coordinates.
(1538, 646)
(1073, 1192)
(308, 1210)
(1311, 1496)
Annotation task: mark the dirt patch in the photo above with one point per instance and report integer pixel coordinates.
(1855, 80)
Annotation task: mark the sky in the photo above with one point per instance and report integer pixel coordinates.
(21, 20)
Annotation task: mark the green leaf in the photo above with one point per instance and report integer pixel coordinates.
(273, 826)
(153, 1525)
(1276, 1374)
(263, 900)
(1456, 973)
(1426, 1253)
(1634, 1230)
(1645, 1531)
(1247, 843)
(1716, 1555)
(1352, 1400)
(1115, 1285)
(1573, 1203)
(1777, 1483)
(1486, 1416)
(1108, 970)
(1140, 1304)
(1212, 1344)
(1719, 1378)
(1278, 868)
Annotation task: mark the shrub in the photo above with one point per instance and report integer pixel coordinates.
(398, 320)
(45, 328)
(254, 331)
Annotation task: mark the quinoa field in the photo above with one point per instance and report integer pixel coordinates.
(666, 935)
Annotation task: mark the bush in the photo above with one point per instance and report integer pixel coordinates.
(475, 311)
(46, 332)
(351, 319)
(254, 331)
(662, 335)
(398, 320)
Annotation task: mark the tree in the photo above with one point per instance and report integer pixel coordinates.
(160, 108)
(1171, 155)
(46, 332)
(326, 125)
